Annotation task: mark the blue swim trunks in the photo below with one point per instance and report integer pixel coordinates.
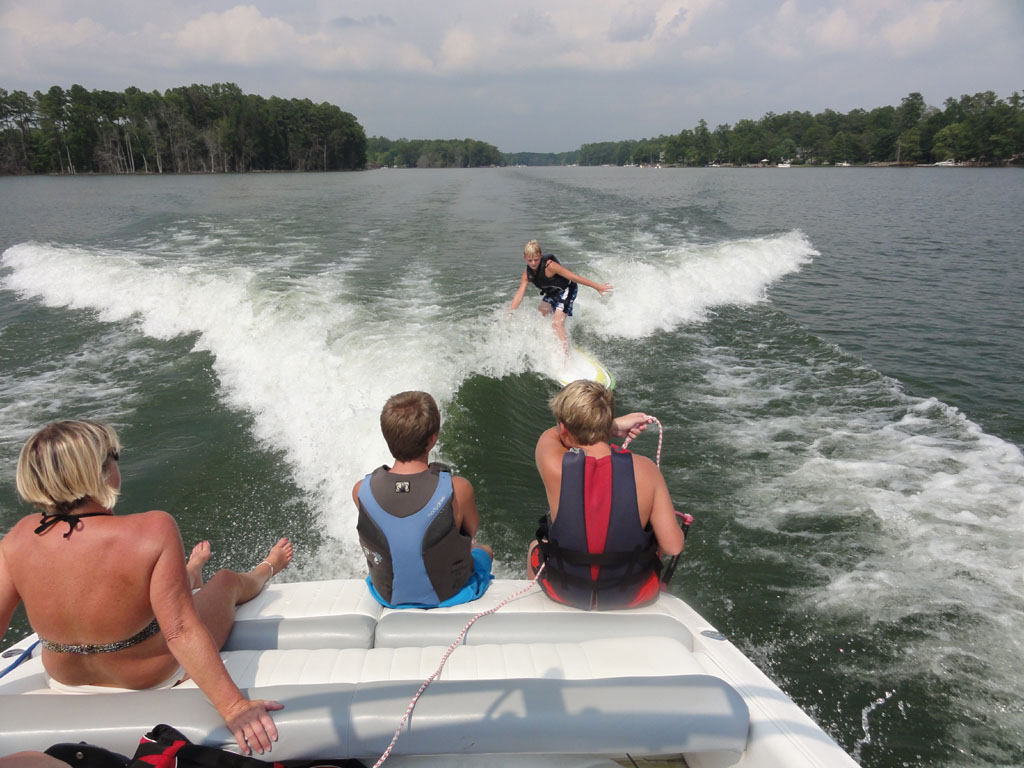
(478, 583)
(563, 300)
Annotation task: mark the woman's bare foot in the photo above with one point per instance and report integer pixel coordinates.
(200, 556)
(278, 559)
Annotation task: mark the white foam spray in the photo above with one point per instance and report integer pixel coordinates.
(664, 288)
(313, 362)
(934, 504)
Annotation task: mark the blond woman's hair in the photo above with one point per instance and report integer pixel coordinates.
(62, 465)
(587, 410)
(532, 249)
(408, 421)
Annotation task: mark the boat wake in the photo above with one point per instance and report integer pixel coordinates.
(312, 358)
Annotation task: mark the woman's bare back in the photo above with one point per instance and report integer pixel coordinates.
(93, 588)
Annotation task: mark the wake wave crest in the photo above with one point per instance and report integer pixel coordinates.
(684, 284)
(313, 374)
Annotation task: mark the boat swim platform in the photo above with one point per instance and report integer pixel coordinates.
(535, 677)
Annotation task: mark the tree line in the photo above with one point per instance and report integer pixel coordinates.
(431, 153)
(217, 128)
(190, 129)
(541, 158)
(982, 128)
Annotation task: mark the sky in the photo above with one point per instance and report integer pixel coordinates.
(526, 75)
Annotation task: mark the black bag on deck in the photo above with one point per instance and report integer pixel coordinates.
(164, 747)
(84, 755)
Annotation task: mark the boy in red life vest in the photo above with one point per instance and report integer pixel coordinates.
(416, 519)
(611, 518)
(558, 287)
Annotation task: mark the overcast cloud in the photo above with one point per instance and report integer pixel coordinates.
(525, 75)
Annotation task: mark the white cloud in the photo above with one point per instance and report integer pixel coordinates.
(799, 31)
(241, 36)
(632, 25)
(838, 31)
(530, 21)
(375, 20)
(717, 52)
(31, 28)
(580, 36)
(460, 51)
(805, 29)
(922, 26)
(460, 39)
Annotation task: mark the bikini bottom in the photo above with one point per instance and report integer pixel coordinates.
(55, 685)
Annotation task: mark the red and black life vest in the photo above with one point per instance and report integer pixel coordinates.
(597, 555)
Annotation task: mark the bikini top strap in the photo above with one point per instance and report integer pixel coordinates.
(51, 520)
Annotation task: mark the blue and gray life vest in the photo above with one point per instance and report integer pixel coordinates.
(549, 286)
(629, 564)
(414, 551)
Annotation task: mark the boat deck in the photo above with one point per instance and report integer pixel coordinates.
(533, 678)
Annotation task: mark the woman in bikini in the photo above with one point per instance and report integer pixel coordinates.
(111, 595)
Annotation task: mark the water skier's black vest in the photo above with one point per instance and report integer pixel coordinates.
(629, 564)
(414, 550)
(549, 286)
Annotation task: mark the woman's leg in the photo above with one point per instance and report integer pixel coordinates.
(216, 600)
(200, 556)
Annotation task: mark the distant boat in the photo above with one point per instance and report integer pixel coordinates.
(948, 164)
(842, 164)
(784, 164)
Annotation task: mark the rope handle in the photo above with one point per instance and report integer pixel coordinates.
(685, 518)
(661, 437)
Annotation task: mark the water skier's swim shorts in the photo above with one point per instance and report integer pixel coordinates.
(563, 300)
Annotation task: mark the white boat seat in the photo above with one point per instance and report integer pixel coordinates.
(602, 658)
(342, 614)
(670, 715)
(533, 617)
(315, 614)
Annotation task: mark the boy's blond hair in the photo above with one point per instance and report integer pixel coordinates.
(532, 249)
(408, 421)
(587, 410)
(62, 465)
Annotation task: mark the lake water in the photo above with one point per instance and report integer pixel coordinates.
(836, 356)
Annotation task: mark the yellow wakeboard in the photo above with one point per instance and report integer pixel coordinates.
(583, 365)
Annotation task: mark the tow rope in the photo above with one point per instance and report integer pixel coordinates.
(687, 521)
(451, 649)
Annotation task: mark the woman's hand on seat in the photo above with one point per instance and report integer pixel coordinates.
(252, 725)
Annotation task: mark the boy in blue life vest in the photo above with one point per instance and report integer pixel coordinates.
(611, 518)
(558, 287)
(416, 519)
